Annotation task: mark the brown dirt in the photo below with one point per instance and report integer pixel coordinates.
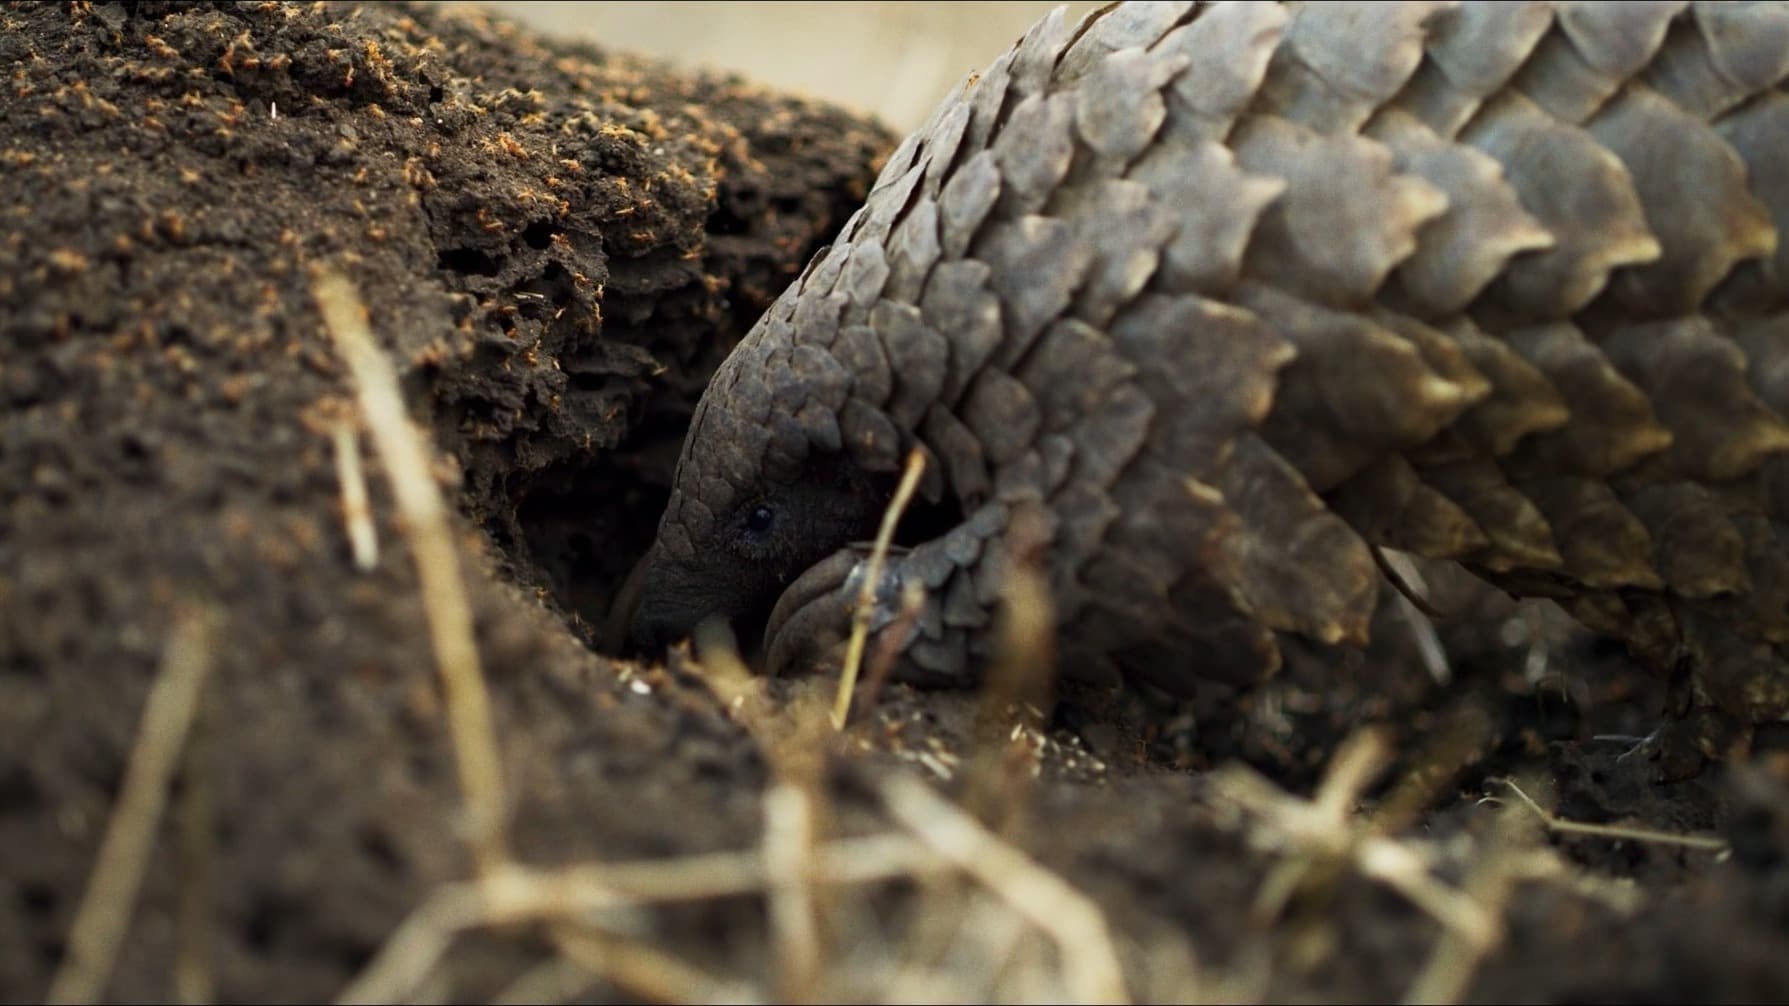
(557, 245)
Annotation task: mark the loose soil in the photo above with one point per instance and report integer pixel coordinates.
(556, 245)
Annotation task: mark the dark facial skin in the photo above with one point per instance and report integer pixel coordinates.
(754, 550)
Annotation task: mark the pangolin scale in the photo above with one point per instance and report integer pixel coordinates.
(1226, 295)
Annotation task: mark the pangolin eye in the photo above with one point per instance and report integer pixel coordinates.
(760, 519)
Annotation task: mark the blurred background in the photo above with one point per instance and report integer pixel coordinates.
(890, 60)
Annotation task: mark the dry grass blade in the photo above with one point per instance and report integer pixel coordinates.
(1074, 921)
(1001, 933)
(1615, 831)
(198, 848)
(357, 510)
(794, 805)
(1018, 685)
(913, 602)
(1419, 615)
(713, 875)
(1321, 838)
(866, 598)
(555, 980)
(1320, 831)
(728, 679)
(1540, 864)
(444, 598)
(1398, 867)
(516, 894)
(413, 949)
(1361, 758)
(105, 909)
(1461, 737)
(419, 944)
(1458, 952)
(794, 740)
(794, 908)
(643, 971)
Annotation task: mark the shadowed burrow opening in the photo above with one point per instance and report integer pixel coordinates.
(580, 527)
(586, 524)
(569, 438)
(571, 522)
(568, 464)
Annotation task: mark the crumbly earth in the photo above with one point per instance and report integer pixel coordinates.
(557, 245)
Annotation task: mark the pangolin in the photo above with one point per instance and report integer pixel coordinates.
(1222, 297)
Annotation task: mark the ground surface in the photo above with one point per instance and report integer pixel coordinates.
(556, 245)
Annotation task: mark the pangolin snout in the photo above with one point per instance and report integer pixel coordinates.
(639, 618)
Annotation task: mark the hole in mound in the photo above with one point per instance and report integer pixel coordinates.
(583, 526)
(538, 234)
(469, 261)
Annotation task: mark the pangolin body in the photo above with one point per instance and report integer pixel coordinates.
(1225, 295)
